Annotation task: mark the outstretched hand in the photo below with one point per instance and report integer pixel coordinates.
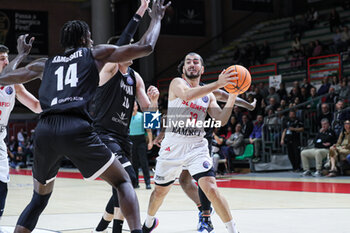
(227, 77)
(22, 46)
(158, 9)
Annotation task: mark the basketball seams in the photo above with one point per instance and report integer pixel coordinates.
(239, 89)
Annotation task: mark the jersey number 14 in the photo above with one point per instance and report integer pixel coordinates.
(70, 77)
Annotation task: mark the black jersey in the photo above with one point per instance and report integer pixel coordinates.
(114, 104)
(69, 82)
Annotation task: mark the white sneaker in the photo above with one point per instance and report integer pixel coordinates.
(306, 173)
(317, 174)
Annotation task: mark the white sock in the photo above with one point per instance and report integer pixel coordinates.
(149, 221)
(231, 227)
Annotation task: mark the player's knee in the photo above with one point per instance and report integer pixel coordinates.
(130, 170)
(30, 215)
(211, 192)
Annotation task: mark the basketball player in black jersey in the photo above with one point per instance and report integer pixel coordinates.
(194, 192)
(68, 84)
(114, 101)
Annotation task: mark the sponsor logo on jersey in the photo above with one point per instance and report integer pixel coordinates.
(9, 90)
(206, 164)
(129, 80)
(195, 106)
(205, 99)
(128, 89)
(159, 177)
(151, 120)
(121, 119)
(167, 149)
(4, 104)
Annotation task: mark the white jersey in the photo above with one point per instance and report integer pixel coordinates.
(185, 119)
(7, 102)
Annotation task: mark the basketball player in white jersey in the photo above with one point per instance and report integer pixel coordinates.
(7, 101)
(184, 146)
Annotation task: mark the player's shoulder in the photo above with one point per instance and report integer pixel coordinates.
(177, 80)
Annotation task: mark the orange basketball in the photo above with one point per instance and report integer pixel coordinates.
(242, 84)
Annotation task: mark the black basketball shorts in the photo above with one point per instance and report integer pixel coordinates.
(57, 136)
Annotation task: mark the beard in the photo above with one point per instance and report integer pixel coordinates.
(192, 76)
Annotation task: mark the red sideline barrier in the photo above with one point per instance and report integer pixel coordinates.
(312, 64)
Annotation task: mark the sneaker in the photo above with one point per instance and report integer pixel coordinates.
(317, 174)
(200, 218)
(154, 226)
(206, 227)
(306, 173)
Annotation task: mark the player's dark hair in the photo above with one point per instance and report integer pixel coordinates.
(74, 34)
(181, 65)
(4, 49)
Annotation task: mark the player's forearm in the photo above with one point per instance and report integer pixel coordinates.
(226, 112)
(14, 63)
(198, 92)
(151, 35)
(153, 106)
(18, 76)
(244, 104)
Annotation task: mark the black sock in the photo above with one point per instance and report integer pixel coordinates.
(206, 218)
(136, 231)
(117, 226)
(103, 224)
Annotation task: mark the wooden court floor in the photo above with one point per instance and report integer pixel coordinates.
(260, 203)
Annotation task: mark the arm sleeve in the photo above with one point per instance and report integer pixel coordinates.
(129, 31)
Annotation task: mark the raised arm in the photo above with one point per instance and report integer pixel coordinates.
(142, 48)
(222, 96)
(130, 30)
(23, 49)
(178, 88)
(25, 74)
(27, 99)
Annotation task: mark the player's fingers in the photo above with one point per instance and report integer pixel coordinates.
(31, 40)
(168, 4)
(230, 69)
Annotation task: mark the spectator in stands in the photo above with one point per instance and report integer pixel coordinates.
(291, 137)
(309, 49)
(237, 56)
(265, 52)
(345, 37)
(280, 117)
(324, 88)
(271, 120)
(238, 113)
(247, 127)
(282, 92)
(323, 140)
(294, 93)
(283, 104)
(13, 144)
(303, 95)
(344, 92)
(332, 96)
(313, 104)
(20, 137)
(340, 150)
(334, 20)
(255, 137)
(234, 146)
(338, 117)
(232, 122)
(20, 158)
(264, 92)
(306, 84)
(338, 45)
(296, 44)
(218, 141)
(317, 51)
(273, 94)
(325, 113)
(273, 105)
(335, 84)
